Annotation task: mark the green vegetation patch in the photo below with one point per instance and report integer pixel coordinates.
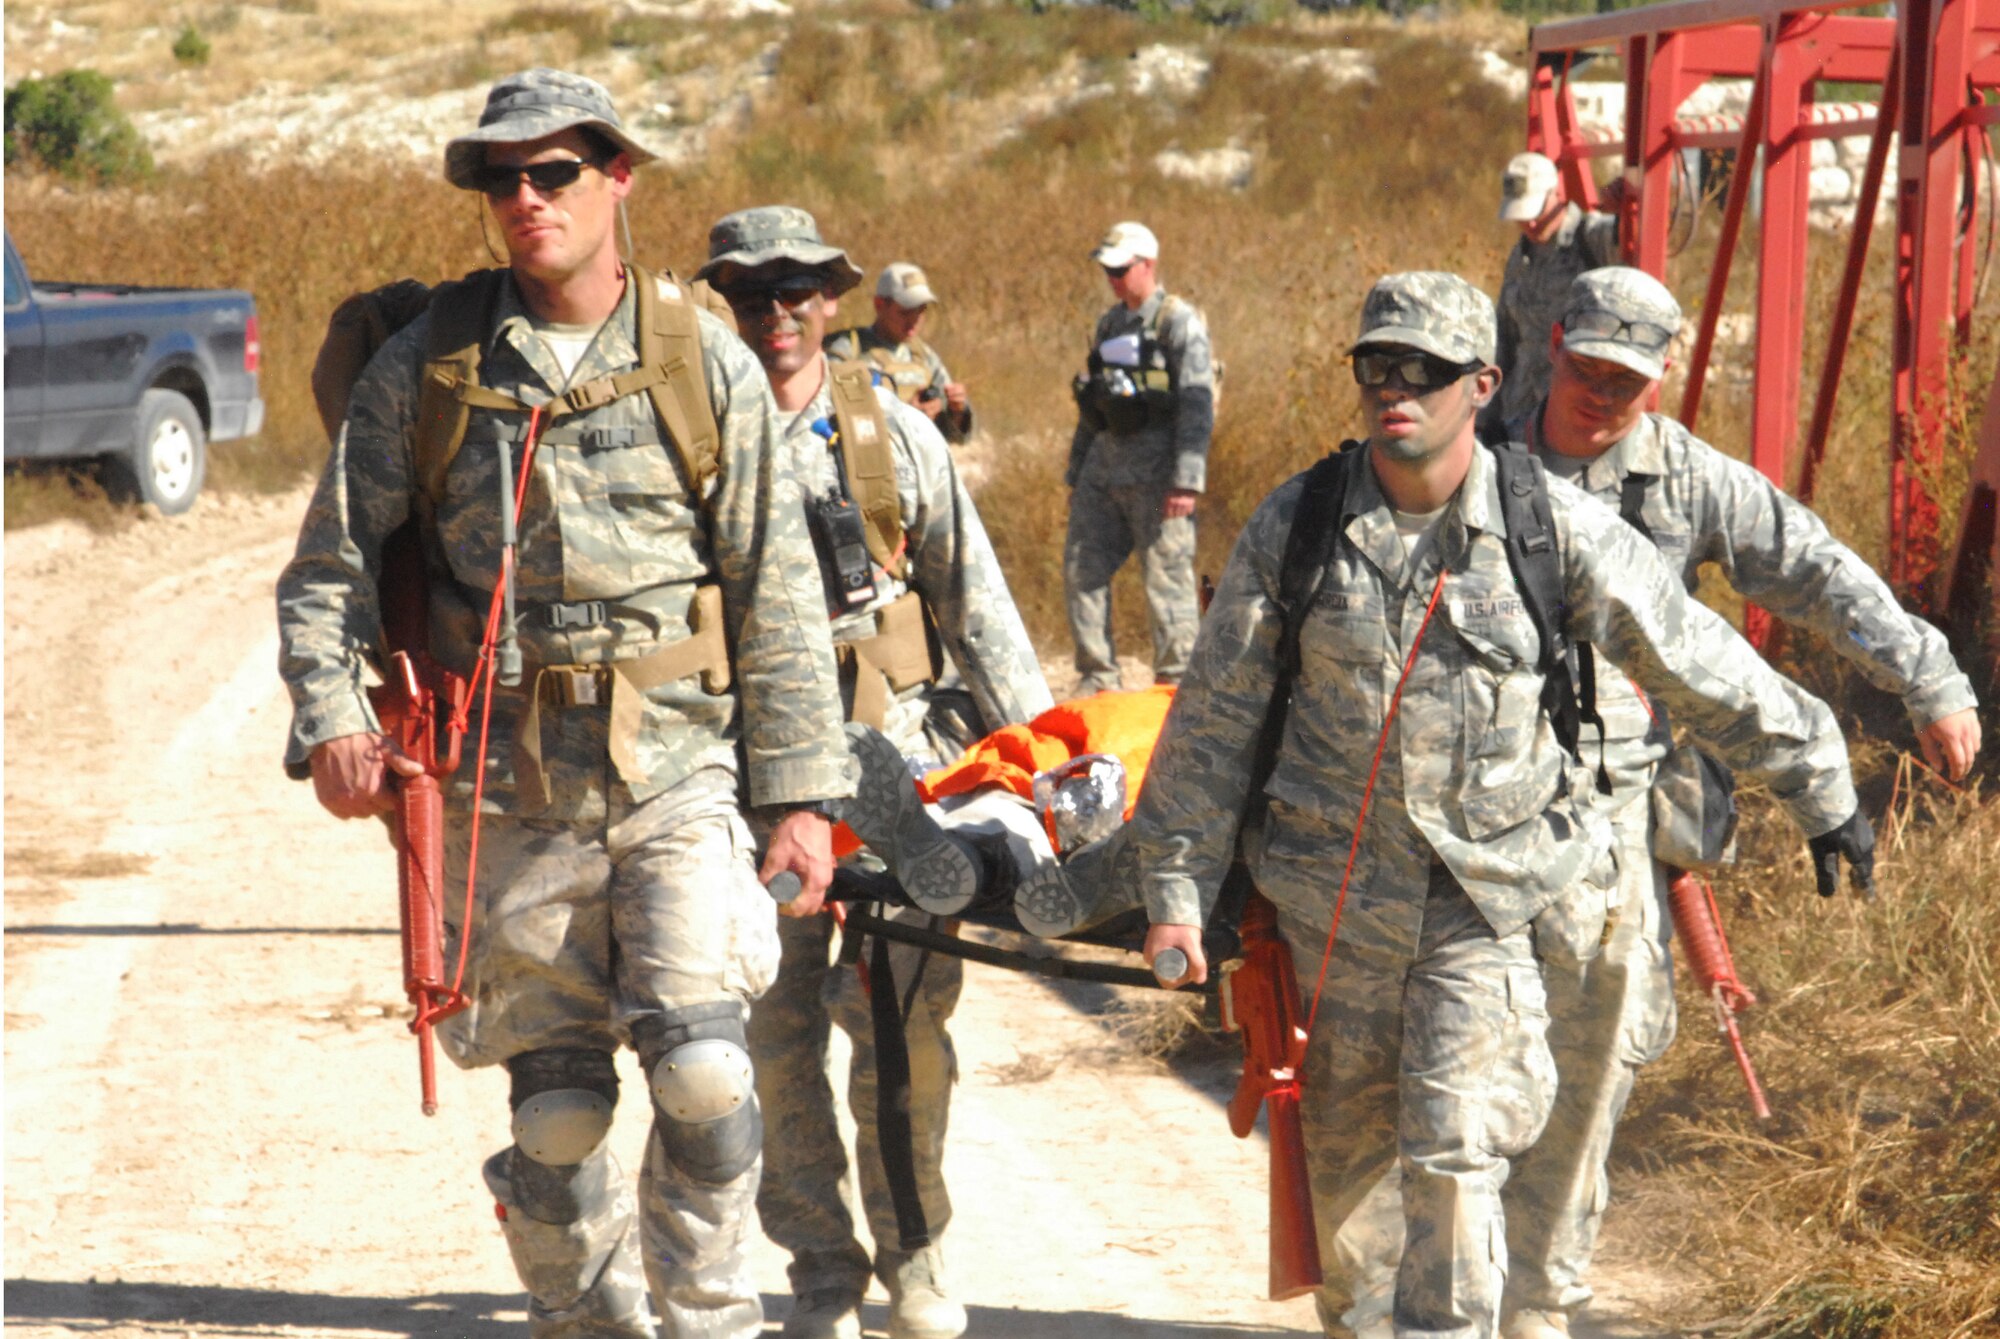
(70, 124)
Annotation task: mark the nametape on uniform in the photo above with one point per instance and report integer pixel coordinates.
(1120, 352)
(1504, 606)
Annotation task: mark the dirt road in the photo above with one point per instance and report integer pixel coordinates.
(212, 1124)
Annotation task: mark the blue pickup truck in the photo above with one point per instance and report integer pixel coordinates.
(144, 378)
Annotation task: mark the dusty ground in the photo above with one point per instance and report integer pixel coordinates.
(212, 1124)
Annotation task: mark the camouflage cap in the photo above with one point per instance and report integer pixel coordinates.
(1525, 186)
(1623, 316)
(769, 235)
(531, 105)
(1439, 313)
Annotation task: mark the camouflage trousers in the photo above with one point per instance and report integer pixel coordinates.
(1105, 524)
(578, 932)
(805, 1198)
(1438, 1065)
(1610, 1013)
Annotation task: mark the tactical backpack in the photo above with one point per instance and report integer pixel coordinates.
(669, 374)
(669, 370)
(1569, 691)
(1694, 793)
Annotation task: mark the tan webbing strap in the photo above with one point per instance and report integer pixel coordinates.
(871, 462)
(898, 657)
(703, 651)
(670, 340)
(461, 319)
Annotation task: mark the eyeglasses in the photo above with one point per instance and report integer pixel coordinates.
(1118, 271)
(791, 290)
(545, 179)
(1606, 325)
(1417, 371)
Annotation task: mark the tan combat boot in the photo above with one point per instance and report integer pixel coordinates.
(919, 1307)
(825, 1313)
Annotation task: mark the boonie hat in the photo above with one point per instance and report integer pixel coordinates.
(905, 285)
(1125, 243)
(1623, 316)
(769, 234)
(1525, 186)
(1430, 310)
(533, 104)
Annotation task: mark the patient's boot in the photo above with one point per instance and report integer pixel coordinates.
(1062, 895)
(938, 870)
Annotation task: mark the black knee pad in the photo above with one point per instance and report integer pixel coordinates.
(697, 1063)
(562, 1097)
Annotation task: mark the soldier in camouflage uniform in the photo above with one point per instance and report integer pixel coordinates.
(1615, 1013)
(1138, 461)
(783, 281)
(1431, 1049)
(903, 298)
(1559, 241)
(616, 899)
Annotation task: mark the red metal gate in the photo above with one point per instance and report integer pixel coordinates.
(1936, 61)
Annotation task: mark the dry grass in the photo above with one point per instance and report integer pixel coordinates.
(1872, 1205)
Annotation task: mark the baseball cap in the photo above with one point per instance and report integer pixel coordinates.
(750, 238)
(1623, 316)
(1430, 310)
(1525, 186)
(529, 106)
(1125, 243)
(905, 285)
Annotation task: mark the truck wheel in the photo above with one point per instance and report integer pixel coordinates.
(167, 466)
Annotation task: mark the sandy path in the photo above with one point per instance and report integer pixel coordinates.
(212, 1124)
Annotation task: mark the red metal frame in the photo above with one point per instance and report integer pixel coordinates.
(1936, 59)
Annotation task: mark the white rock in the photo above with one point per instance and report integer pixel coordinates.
(1228, 167)
(1174, 72)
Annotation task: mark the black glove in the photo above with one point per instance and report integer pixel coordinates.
(1854, 839)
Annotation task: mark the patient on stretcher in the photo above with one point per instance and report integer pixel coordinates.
(1032, 816)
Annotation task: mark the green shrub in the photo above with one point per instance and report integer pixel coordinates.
(191, 48)
(69, 124)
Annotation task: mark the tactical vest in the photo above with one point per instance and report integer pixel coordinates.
(1133, 399)
(907, 377)
(902, 652)
(669, 373)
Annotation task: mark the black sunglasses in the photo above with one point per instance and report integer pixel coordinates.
(792, 290)
(1417, 371)
(1118, 271)
(545, 179)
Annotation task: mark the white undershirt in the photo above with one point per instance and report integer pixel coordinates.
(567, 343)
(1416, 530)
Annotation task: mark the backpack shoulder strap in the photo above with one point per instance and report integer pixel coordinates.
(1308, 549)
(670, 341)
(461, 315)
(1632, 502)
(869, 460)
(1569, 683)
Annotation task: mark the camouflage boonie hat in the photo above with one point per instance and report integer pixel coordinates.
(1623, 316)
(533, 104)
(1439, 313)
(768, 234)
